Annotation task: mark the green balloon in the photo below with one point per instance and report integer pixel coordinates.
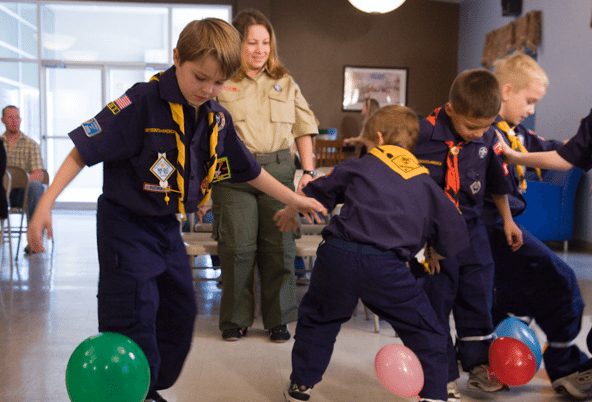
(107, 367)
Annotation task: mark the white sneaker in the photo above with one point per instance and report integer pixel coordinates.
(577, 385)
(480, 379)
(453, 392)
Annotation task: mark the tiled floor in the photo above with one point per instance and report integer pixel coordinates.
(48, 306)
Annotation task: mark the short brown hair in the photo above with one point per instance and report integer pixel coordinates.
(398, 124)
(210, 37)
(5, 108)
(476, 94)
(242, 22)
(519, 70)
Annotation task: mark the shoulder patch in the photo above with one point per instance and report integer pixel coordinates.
(91, 127)
(220, 120)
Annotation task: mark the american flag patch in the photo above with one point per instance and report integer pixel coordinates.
(123, 102)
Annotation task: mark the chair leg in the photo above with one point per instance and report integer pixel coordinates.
(18, 244)
(565, 246)
(376, 324)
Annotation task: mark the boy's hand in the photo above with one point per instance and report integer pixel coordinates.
(201, 212)
(310, 208)
(513, 235)
(41, 220)
(286, 220)
(509, 154)
(433, 259)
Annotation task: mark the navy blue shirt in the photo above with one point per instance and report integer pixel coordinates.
(532, 143)
(131, 133)
(382, 209)
(578, 150)
(480, 168)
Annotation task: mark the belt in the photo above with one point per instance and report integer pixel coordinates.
(357, 247)
(273, 157)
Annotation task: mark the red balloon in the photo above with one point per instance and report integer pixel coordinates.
(399, 370)
(511, 361)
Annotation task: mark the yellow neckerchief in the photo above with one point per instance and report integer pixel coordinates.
(206, 185)
(400, 160)
(516, 145)
(179, 118)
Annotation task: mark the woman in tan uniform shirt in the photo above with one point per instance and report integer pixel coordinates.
(270, 114)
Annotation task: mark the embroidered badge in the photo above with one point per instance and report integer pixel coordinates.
(277, 87)
(482, 152)
(91, 127)
(162, 169)
(220, 120)
(405, 163)
(153, 188)
(475, 187)
(222, 170)
(113, 108)
(497, 148)
(123, 102)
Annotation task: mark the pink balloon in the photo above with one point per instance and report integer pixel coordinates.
(399, 370)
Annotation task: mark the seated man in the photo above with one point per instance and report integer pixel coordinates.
(23, 152)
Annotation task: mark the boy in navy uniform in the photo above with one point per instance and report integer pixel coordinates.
(391, 208)
(457, 145)
(163, 144)
(534, 281)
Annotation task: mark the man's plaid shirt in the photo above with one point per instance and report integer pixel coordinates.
(25, 153)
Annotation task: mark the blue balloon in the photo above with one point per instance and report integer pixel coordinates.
(517, 329)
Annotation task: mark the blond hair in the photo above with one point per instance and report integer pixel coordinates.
(210, 37)
(520, 70)
(397, 124)
(475, 93)
(242, 22)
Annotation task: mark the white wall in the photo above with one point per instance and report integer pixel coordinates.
(566, 55)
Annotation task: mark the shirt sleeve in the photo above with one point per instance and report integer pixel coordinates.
(35, 157)
(305, 120)
(496, 173)
(330, 190)
(115, 133)
(450, 235)
(243, 165)
(578, 150)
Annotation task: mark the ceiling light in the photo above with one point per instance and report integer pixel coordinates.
(376, 6)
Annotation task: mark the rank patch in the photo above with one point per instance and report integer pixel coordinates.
(482, 152)
(162, 169)
(91, 127)
(222, 170)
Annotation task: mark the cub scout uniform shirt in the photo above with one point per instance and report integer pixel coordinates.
(480, 169)
(157, 149)
(578, 150)
(393, 206)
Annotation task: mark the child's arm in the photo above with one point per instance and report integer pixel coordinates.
(544, 160)
(41, 219)
(512, 231)
(309, 207)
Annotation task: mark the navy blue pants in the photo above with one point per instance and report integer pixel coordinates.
(345, 272)
(145, 287)
(535, 282)
(464, 287)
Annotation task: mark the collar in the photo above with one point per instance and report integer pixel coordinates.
(445, 131)
(170, 91)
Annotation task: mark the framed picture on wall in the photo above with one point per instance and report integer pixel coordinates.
(387, 85)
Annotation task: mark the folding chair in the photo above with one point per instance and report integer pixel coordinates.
(20, 180)
(7, 183)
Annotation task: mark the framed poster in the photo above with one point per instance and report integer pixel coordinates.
(387, 85)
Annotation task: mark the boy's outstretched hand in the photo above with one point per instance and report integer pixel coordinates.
(286, 219)
(310, 208)
(509, 154)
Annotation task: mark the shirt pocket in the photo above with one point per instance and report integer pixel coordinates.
(473, 183)
(283, 107)
(234, 102)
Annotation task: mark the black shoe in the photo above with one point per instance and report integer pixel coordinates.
(154, 397)
(234, 334)
(28, 250)
(279, 334)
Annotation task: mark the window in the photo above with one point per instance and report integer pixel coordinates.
(88, 54)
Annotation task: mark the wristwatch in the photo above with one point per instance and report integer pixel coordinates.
(312, 173)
